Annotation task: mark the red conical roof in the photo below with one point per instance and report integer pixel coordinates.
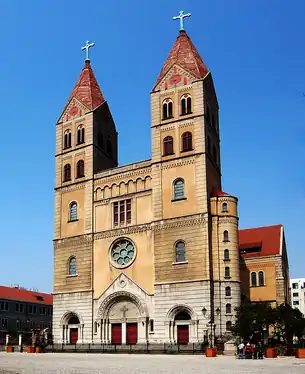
(87, 90)
(184, 54)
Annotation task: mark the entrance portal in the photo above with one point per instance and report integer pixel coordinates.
(116, 333)
(182, 334)
(132, 333)
(73, 336)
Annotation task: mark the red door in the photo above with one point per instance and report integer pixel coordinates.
(116, 333)
(132, 333)
(182, 334)
(73, 336)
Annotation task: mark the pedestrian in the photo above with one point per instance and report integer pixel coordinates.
(241, 347)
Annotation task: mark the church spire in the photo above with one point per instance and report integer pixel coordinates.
(184, 54)
(87, 89)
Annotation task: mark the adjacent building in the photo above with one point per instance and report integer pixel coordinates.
(23, 310)
(264, 269)
(297, 287)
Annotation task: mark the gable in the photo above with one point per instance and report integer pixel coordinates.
(175, 77)
(73, 110)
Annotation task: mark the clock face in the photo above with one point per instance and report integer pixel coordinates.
(175, 79)
(73, 111)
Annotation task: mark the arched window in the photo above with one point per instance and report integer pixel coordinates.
(80, 134)
(224, 207)
(261, 280)
(226, 254)
(178, 189)
(227, 272)
(167, 109)
(228, 309)
(186, 104)
(67, 172)
(73, 211)
(215, 158)
(253, 279)
(228, 291)
(80, 169)
(109, 146)
(168, 146)
(180, 252)
(72, 266)
(187, 141)
(67, 139)
(225, 236)
(209, 145)
(228, 325)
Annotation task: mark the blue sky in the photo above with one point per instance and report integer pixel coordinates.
(255, 50)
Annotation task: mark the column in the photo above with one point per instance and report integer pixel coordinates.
(142, 330)
(20, 339)
(169, 329)
(109, 332)
(124, 332)
(101, 331)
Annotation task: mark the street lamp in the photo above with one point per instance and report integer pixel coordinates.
(211, 323)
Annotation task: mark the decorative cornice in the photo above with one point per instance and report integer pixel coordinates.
(167, 127)
(174, 164)
(187, 124)
(124, 175)
(73, 187)
(73, 242)
(225, 220)
(153, 226)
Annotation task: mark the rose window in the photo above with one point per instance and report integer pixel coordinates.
(123, 252)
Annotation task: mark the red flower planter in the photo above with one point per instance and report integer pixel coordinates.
(9, 349)
(271, 353)
(210, 352)
(300, 353)
(30, 350)
(38, 350)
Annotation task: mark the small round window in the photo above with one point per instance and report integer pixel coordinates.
(122, 253)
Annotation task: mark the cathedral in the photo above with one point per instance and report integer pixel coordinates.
(146, 252)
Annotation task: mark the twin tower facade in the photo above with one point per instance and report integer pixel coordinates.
(146, 252)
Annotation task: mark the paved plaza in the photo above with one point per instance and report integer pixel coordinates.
(136, 364)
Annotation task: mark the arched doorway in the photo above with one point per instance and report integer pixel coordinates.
(182, 325)
(73, 324)
(123, 319)
(72, 328)
(182, 321)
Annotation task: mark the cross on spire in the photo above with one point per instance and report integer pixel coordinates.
(181, 17)
(87, 47)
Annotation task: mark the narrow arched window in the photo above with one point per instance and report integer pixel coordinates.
(261, 280)
(72, 266)
(80, 134)
(67, 172)
(180, 252)
(73, 211)
(167, 109)
(178, 189)
(225, 236)
(80, 169)
(253, 279)
(168, 146)
(227, 272)
(224, 207)
(228, 325)
(187, 141)
(186, 104)
(226, 254)
(228, 291)
(228, 309)
(67, 139)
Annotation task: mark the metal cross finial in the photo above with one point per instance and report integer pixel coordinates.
(181, 17)
(86, 47)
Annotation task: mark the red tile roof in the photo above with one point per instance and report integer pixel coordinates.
(184, 54)
(266, 238)
(87, 89)
(218, 193)
(13, 293)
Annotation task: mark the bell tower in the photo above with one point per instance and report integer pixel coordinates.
(86, 143)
